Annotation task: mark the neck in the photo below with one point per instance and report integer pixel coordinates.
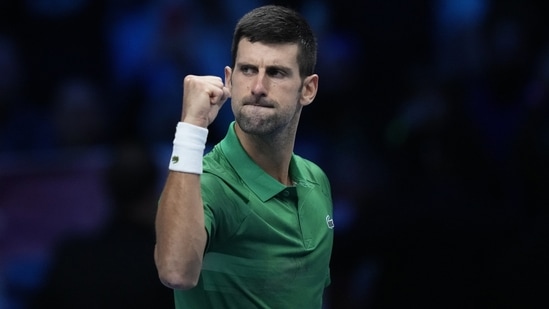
(272, 154)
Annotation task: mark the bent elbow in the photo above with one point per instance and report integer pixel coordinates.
(175, 280)
(177, 273)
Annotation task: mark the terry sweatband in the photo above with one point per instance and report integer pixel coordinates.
(188, 148)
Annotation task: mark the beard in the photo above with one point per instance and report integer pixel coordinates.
(263, 116)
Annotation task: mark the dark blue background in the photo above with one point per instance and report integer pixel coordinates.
(431, 120)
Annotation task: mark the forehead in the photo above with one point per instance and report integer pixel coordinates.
(267, 54)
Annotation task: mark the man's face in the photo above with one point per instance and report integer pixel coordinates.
(266, 89)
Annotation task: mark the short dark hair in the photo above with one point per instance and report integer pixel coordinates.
(272, 24)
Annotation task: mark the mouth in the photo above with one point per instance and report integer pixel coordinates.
(259, 103)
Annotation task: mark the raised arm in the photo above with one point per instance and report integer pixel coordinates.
(180, 233)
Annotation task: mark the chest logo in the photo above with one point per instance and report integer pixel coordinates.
(330, 222)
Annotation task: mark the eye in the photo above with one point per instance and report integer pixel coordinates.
(276, 72)
(247, 69)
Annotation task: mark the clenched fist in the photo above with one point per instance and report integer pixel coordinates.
(203, 96)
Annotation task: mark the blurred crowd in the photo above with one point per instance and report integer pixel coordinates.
(432, 121)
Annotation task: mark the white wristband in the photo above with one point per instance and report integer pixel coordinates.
(188, 148)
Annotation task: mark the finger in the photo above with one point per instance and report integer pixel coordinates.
(217, 95)
(226, 93)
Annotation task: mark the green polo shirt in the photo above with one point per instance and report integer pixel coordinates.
(269, 245)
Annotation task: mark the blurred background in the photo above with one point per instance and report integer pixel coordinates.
(431, 121)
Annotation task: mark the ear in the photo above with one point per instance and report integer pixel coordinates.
(228, 73)
(309, 89)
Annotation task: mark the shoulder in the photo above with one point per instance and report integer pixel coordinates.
(308, 173)
(217, 167)
(309, 169)
(219, 177)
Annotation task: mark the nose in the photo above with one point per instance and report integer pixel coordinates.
(259, 85)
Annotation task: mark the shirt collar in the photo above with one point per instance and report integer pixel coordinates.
(261, 183)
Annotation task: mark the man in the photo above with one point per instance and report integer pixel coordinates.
(250, 224)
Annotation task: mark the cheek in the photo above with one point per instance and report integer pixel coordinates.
(237, 92)
(289, 92)
(239, 87)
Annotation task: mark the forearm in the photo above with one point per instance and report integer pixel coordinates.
(180, 233)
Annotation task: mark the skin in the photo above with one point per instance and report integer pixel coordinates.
(267, 96)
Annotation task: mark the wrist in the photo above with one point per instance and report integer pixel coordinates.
(196, 121)
(188, 148)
